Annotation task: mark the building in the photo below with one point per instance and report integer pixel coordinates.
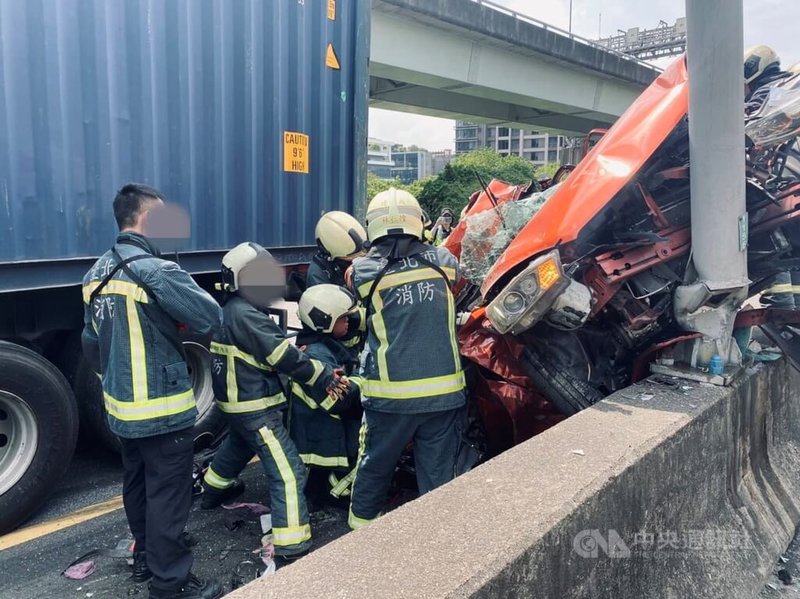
(388, 160)
(439, 160)
(379, 158)
(539, 148)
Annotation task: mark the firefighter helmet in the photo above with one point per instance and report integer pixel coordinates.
(394, 212)
(251, 270)
(340, 235)
(758, 61)
(321, 306)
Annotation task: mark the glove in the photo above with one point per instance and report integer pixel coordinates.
(348, 405)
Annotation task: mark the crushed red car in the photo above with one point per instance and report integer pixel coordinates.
(569, 288)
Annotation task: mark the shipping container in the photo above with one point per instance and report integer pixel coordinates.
(206, 100)
(251, 114)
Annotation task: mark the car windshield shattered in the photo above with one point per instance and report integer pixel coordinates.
(490, 232)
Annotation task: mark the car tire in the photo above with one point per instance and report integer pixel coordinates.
(568, 394)
(198, 360)
(38, 431)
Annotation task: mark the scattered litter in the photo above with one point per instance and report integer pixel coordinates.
(772, 586)
(646, 396)
(256, 508)
(80, 570)
(233, 524)
(225, 553)
(90, 594)
(488, 480)
(266, 523)
(686, 388)
(578, 452)
(784, 559)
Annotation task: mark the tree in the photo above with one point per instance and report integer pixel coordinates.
(453, 186)
(546, 171)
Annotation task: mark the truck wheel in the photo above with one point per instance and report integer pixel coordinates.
(38, 430)
(198, 360)
(567, 393)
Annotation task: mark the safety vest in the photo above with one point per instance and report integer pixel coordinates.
(411, 363)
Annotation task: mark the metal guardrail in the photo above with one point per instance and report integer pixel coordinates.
(572, 36)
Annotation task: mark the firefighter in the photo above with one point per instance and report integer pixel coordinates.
(340, 238)
(326, 431)
(135, 303)
(412, 384)
(249, 352)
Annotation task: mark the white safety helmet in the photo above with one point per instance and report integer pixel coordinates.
(321, 306)
(758, 60)
(340, 235)
(249, 264)
(394, 212)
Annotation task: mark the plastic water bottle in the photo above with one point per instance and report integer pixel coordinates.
(716, 366)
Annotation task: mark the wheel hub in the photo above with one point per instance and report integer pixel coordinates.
(18, 439)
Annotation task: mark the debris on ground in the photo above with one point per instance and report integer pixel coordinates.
(578, 452)
(256, 508)
(80, 570)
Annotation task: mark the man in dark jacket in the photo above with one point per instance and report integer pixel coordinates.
(250, 353)
(135, 304)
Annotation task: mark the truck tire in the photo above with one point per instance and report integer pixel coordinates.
(38, 430)
(93, 412)
(568, 394)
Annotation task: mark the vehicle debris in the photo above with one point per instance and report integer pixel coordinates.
(256, 508)
(80, 570)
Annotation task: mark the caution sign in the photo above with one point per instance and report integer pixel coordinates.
(295, 152)
(330, 58)
(332, 10)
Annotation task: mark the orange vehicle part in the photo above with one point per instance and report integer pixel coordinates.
(608, 167)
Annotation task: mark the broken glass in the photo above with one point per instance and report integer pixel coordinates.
(490, 232)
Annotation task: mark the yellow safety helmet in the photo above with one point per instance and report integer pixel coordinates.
(757, 60)
(321, 306)
(394, 212)
(340, 235)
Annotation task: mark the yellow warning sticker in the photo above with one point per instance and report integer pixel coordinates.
(295, 152)
(330, 58)
(332, 10)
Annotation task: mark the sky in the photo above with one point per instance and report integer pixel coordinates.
(773, 22)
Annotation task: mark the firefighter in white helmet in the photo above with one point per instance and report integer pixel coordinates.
(325, 430)
(340, 238)
(412, 384)
(249, 352)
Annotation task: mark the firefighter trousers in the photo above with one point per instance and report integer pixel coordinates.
(382, 439)
(268, 438)
(157, 494)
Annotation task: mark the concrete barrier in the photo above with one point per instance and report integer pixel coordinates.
(678, 490)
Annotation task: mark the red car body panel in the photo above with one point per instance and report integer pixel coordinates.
(607, 168)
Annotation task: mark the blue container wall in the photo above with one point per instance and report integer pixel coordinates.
(190, 96)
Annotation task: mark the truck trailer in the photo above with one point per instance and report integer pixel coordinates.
(250, 114)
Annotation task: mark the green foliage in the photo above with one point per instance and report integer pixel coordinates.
(375, 185)
(547, 170)
(457, 181)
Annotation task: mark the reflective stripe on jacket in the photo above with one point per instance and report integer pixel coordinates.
(131, 339)
(249, 353)
(322, 438)
(411, 363)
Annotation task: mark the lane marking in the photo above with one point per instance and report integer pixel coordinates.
(45, 528)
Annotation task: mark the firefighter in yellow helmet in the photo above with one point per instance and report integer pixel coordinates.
(412, 384)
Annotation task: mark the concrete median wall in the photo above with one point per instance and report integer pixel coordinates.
(679, 490)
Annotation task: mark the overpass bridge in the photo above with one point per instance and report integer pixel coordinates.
(474, 60)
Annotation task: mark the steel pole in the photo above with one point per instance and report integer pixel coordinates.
(716, 142)
(708, 304)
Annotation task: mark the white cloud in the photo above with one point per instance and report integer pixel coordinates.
(772, 22)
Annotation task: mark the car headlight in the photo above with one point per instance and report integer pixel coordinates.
(528, 296)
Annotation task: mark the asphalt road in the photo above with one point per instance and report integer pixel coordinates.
(32, 568)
